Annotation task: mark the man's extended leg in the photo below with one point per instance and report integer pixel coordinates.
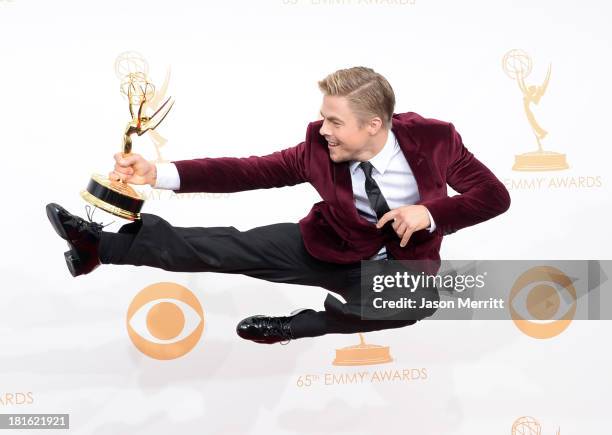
(273, 252)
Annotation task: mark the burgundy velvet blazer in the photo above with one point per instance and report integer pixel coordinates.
(333, 231)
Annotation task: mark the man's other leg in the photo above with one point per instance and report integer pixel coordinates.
(332, 321)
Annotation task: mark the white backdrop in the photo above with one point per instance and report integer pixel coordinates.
(244, 77)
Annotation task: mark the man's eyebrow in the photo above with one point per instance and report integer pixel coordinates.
(331, 118)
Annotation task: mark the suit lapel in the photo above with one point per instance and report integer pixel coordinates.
(417, 160)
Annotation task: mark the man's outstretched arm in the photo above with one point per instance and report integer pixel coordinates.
(216, 175)
(235, 174)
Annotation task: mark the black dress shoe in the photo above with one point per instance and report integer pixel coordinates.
(267, 329)
(83, 238)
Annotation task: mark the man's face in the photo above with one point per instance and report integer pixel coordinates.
(346, 138)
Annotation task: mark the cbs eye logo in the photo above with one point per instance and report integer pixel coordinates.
(537, 307)
(165, 320)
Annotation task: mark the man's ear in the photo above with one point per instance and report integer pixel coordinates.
(374, 125)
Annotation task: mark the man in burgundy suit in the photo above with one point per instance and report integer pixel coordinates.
(382, 177)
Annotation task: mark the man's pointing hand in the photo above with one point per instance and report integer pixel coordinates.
(406, 220)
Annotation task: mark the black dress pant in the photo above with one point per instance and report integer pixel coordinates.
(273, 253)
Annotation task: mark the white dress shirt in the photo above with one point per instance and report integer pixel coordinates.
(395, 180)
(167, 176)
(391, 172)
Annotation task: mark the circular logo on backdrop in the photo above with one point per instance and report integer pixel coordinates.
(542, 302)
(526, 426)
(165, 320)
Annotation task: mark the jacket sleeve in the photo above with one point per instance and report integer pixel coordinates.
(234, 174)
(482, 195)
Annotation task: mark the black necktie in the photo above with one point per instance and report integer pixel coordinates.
(375, 196)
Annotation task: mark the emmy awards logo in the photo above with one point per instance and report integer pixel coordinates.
(118, 197)
(362, 354)
(528, 426)
(517, 65)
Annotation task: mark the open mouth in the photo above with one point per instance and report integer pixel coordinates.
(332, 144)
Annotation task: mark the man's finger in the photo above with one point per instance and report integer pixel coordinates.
(125, 161)
(386, 218)
(406, 237)
(401, 229)
(119, 177)
(122, 170)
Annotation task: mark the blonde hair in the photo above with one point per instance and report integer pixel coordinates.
(369, 93)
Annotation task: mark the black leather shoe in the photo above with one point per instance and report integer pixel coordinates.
(267, 329)
(83, 238)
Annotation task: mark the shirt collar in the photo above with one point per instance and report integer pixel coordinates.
(381, 160)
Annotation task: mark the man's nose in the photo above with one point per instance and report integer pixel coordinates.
(323, 130)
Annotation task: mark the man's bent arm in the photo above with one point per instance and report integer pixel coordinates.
(482, 195)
